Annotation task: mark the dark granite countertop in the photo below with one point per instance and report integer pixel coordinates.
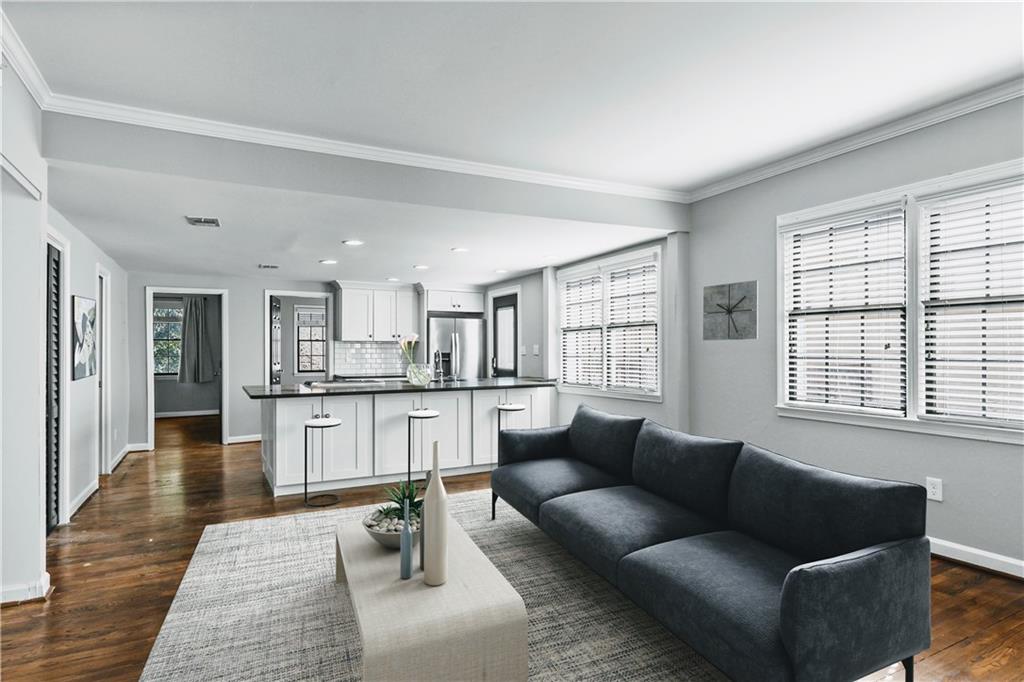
(262, 392)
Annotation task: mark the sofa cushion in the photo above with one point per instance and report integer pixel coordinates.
(599, 527)
(526, 485)
(690, 470)
(720, 592)
(605, 440)
(815, 513)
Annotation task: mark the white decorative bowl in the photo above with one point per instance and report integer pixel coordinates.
(389, 539)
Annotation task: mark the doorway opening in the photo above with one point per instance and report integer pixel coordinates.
(298, 336)
(187, 359)
(504, 340)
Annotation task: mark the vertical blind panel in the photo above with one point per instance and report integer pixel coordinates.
(581, 302)
(972, 290)
(633, 358)
(847, 263)
(853, 359)
(582, 357)
(633, 294)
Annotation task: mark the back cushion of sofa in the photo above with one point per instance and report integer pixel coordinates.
(605, 440)
(689, 470)
(816, 513)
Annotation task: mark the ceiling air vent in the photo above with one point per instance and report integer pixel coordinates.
(200, 221)
(268, 266)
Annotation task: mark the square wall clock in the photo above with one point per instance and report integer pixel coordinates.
(730, 311)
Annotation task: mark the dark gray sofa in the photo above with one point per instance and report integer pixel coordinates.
(770, 568)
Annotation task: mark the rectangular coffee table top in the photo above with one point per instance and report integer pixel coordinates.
(389, 609)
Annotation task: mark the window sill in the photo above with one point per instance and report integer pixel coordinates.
(615, 395)
(992, 434)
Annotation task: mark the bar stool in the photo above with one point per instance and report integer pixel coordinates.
(317, 423)
(416, 415)
(503, 408)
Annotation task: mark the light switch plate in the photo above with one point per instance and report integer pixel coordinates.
(536, 349)
(522, 350)
(934, 487)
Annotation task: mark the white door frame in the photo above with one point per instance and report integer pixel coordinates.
(492, 294)
(58, 240)
(224, 359)
(104, 378)
(267, 293)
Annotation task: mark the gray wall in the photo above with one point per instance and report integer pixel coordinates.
(245, 332)
(288, 362)
(170, 397)
(733, 382)
(531, 322)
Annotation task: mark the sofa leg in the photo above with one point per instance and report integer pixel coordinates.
(908, 666)
(494, 504)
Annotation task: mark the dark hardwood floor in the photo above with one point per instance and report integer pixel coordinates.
(116, 567)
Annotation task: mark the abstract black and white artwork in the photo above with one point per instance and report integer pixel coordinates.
(730, 311)
(84, 341)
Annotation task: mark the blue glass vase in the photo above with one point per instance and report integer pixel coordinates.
(405, 545)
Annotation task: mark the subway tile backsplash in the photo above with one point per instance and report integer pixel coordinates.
(368, 358)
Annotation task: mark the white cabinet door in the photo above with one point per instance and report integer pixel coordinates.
(452, 429)
(467, 301)
(384, 305)
(348, 449)
(439, 300)
(407, 321)
(391, 435)
(292, 414)
(485, 425)
(356, 314)
(527, 397)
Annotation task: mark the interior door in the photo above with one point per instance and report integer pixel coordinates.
(101, 313)
(53, 397)
(505, 317)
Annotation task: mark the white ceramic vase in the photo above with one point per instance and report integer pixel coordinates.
(435, 529)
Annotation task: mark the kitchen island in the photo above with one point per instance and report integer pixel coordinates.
(372, 442)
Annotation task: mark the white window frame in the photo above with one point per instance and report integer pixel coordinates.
(603, 265)
(328, 344)
(914, 420)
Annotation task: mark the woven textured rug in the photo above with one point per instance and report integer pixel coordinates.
(259, 602)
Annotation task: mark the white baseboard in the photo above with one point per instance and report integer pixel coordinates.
(83, 496)
(138, 447)
(978, 557)
(36, 589)
(251, 438)
(119, 456)
(186, 413)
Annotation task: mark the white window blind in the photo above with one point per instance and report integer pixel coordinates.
(609, 325)
(972, 294)
(845, 312)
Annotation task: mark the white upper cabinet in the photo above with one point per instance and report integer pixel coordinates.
(384, 312)
(369, 314)
(356, 314)
(455, 301)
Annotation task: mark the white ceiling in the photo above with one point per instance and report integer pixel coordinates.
(137, 218)
(662, 95)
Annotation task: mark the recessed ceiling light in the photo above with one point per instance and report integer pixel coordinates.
(459, 249)
(353, 242)
(328, 261)
(421, 267)
(394, 279)
(500, 272)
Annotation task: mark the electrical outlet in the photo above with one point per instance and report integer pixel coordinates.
(934, 487)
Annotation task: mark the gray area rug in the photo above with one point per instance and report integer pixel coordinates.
(259, 602)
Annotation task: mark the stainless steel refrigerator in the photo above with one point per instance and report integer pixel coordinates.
(462, 342)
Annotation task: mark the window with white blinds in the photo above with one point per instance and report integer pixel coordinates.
(845, 312)
(609, 314)
(906, 308)
(972, 295)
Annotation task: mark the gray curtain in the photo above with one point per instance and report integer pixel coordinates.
(196, 357)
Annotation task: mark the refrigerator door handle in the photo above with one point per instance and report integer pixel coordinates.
(456, 357)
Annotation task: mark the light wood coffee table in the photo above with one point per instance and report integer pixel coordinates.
(471, 628)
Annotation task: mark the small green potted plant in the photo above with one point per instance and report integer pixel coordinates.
(385, 524)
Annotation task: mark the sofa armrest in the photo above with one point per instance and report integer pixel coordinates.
(520, 445)
(845, 617)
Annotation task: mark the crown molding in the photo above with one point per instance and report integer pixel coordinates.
(15, 54)
(982, 99)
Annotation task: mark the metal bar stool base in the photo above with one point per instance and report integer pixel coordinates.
(322, 500)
